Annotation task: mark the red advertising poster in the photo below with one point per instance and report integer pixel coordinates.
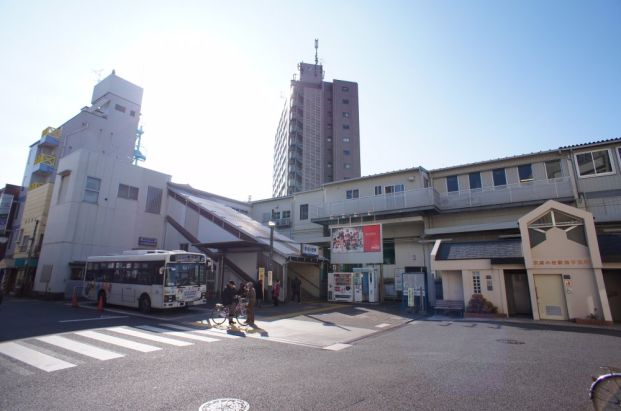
(372, 238)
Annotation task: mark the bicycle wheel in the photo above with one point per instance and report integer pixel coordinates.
(219, 314)
(242, 315)
(606, 392)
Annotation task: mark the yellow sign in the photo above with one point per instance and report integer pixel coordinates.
(262, 275)
(269, 278)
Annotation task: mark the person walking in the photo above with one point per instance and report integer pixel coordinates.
(276, 292)
(228, 299)
(251, 295)
(295, 287)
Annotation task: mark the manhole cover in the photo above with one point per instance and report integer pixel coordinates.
(507, 341)
(225, 404)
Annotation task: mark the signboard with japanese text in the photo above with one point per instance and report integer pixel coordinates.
(310, 250)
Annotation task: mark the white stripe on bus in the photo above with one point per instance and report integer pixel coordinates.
(132, 345)
(149, 336)
(80, 348)
(177, 333)
(32, 357)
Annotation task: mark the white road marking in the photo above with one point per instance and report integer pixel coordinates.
(178, 333)
(132, 345)
(80, 348)
(336, 347)
(382, 325)
(149, 336)
(93, 319)
(35, 358)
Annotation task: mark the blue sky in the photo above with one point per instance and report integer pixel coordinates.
(441, 83)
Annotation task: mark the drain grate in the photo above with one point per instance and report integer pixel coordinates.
(509, 341)
(228, 404)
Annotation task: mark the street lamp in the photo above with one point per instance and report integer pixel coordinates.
(271, 225)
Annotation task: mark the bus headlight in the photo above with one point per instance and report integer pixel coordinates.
(169, 298)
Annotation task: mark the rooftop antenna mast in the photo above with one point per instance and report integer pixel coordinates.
(138, 156)
(316, 47)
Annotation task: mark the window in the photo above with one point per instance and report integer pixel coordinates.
(345, 101)
(119, 107)
(345, 139)
(286, 214)
(345, 126)
(275, 215)
(525, 171)
(500, 178)
(346, 114)
(352, 194)
(476, 282)
(452, 184)
(389, 251)
(378, 190)
(346, 152)
(553, 169)
(154, 200)
(132, 113)
(303, 211)
(490, 285)
(91, 192)
(344, 88)
(129, 192)
(475, 180)
(594, 163)
(394, 189)
(184, 246)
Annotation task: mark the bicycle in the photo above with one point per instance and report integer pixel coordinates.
(220, 313)
(605, 392)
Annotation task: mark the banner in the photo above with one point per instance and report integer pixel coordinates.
(356, 245)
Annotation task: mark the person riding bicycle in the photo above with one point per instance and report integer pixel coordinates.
(228, 298)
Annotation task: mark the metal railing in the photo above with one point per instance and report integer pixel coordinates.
(421, 198)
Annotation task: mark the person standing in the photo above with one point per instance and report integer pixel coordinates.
(251, 295)
(276, 292)
(228, 299)
(259, 292)
(295, 287)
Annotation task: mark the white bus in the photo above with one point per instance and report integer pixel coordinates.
(149, 279)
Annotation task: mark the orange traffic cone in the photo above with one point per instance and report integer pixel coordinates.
(100, 304)
(74, 299)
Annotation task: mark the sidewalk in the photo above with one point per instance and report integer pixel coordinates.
(290, 309)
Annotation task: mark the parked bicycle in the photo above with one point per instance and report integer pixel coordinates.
(220, 312)
(605, 392)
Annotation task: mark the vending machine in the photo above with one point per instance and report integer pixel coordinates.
(365, 285)
(341, 287)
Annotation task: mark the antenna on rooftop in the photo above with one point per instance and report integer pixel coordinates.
(138, 156)
(316, 47)
(98, 74)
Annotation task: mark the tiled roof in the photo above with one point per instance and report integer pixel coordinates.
(480, 249)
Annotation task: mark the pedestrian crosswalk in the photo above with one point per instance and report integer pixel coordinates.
(55, 352)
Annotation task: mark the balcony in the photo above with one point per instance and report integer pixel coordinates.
(538, 190)
(421, 198)
(44, 164)
(428, 199)
(49, 141)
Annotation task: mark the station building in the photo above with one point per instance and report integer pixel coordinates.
(536, 234)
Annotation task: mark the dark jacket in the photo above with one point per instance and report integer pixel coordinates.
(227, 295)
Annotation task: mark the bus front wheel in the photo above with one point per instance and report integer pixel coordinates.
(144, 304)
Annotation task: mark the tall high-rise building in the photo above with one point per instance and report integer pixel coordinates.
(318, 136)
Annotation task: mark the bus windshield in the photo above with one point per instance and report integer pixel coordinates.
(181, 274)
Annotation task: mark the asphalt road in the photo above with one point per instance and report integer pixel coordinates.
(344, 358)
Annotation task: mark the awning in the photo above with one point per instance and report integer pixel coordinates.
(7, 263)
(23, 262)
